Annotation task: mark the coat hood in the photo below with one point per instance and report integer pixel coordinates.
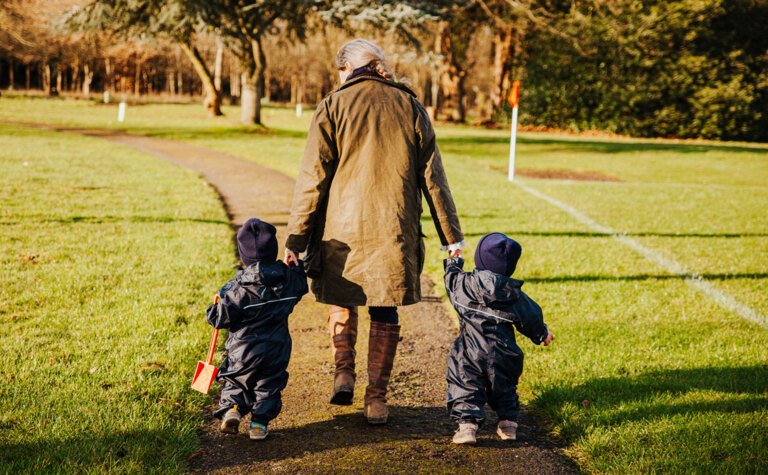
(495, 290)
(262, 274)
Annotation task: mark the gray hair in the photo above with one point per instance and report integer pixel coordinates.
(359, 53)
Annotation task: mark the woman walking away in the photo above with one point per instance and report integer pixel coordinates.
(370, 155)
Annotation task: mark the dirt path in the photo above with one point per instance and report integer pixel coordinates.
(310, 435)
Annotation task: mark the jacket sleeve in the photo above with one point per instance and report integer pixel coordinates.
(300, 279)
(434, 183)
(453, 272)
(317, 169)
(530, 319)
(225, 312)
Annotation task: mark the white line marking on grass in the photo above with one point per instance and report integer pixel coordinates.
(691, 278)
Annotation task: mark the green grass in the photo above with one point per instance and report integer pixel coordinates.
(672, 382)
(108, 257)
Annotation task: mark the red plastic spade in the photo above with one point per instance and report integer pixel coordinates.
(206, 372)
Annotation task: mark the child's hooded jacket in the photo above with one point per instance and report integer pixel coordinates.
(483, 297)
(258, 298)
(255, 306)
(484, 363)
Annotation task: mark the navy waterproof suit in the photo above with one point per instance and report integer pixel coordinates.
(254, 307)
(485, 363)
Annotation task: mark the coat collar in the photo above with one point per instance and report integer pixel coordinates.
(374, 77)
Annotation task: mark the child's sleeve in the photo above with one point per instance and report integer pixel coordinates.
(453, 269)
(300, 280)
(530, 319)
(223, 313)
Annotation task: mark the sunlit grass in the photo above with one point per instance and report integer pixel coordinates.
(646, 374)
(108, 257)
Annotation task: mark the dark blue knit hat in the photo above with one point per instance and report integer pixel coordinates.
(497, 253)
(256, 242)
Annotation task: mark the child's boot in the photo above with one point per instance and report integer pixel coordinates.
(382, 347)
(257, 431)
(507, 430)
(342, 323)
(465, 434)
(231, 421)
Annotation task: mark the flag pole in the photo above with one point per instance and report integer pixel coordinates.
(514, 100)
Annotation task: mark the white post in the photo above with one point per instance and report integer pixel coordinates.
(298, 109)
(121, 112)
(512, 142)
(106, 97)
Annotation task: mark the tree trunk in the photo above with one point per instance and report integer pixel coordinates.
(438, 67)
(461, 109)
(234, 82)
(502, 64)
(87, 80)
(212, 100)
(247, 100)
(267, 80)
(108, 76)
(218, 64)
(253, 86)
(147, 82)
(453, 79)
(46, 78)
(27, 77)
(58, 80)
(74, 81)
(171, 79)
(11, 77)
(137, 78)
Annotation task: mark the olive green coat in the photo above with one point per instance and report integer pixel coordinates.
(370, 155)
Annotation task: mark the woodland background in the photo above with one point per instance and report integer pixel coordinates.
(683, 68)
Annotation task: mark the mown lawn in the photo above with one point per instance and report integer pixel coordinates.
(108, 258)
(647, 373)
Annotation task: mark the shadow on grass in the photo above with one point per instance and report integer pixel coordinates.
(606, 146)
(118, 219)
(605, 235)
(218, 133)
(94, 451)
(620, 399)
(429, 428)
(626, 278)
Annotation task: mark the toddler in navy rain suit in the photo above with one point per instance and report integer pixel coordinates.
(254, 307)
(485, 363)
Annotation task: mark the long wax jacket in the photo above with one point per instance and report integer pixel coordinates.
(370, 157)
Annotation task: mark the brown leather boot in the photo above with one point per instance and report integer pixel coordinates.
(382, 347)
(342, 324)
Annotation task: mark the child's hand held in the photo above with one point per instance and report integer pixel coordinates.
(290, 258)
(549, 339)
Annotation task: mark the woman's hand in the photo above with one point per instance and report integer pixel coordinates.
(454, 254)
(290, 258)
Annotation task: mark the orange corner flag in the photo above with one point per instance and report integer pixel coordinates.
(514, 94)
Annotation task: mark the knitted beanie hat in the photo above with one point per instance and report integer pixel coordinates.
(256, 242)
(497, 253)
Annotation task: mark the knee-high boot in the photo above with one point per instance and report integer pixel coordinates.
(382, 347)
(343, 328)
